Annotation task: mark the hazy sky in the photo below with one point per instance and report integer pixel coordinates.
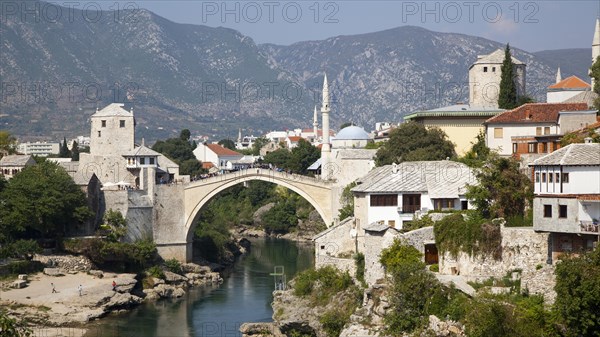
(531, 25)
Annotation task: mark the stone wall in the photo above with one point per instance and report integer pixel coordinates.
(137, 210)
(335, 241)
(168, 225)
(343, 264)
(374, 243)
(522, 248)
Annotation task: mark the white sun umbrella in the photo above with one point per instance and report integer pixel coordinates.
(123, 183)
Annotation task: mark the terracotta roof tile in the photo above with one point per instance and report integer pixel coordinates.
(572, 82)
(222, 151)
(295, 138)
(536, 113)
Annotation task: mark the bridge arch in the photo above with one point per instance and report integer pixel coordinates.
(317, 192)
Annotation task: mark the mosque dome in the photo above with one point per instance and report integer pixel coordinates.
(352, 133)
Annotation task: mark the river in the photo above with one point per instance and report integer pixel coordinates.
(244, 296)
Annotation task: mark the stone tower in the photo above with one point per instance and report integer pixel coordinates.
(113, 131)
(326, 145)
(558, 76)
(484, 79)
(596, 45)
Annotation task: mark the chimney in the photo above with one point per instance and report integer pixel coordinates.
(527, 114)
(587, 140)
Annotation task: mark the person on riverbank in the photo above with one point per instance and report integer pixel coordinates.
(80, 289)
(114, 285)
(53, 288)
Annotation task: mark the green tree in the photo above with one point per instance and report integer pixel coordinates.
(258, 144)
(185, 135)
(577, 307)
(345, 125)
(114, 225)
(507, 97)
(302, 156)
(281, 217)
(227, 143)
(478, 153)
(502, 190)
(75, 152)
(64, 149)
(180, 150)
(279, 157)
(42, 200)
(595, 74)
(8, 143)
(347, 202)
(413, 142)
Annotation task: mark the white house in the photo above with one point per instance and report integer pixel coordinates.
(562, 90)
(567, 197)
(534, 119)
(395, 194)
(41, 149)
(216, 154)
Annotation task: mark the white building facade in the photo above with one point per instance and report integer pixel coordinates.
(567, 197)
(396, 194)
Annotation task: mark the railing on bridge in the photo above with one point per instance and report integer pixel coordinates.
(258, 172)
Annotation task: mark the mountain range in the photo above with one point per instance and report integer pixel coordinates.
(56, 71)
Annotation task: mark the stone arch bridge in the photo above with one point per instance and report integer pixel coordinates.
(177, 207)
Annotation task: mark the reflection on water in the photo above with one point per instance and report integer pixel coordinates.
(244, 296)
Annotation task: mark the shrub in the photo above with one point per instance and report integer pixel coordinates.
(173, 266)
(21, 267)
(155, 271)
(359, 259)
(13, 328)
(473, 235)
(333, 322)
(416, 223)
(114, 255)
(322, 283)
(434, 268)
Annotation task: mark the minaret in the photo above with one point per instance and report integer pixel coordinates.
(239, 136)
(326, 146)
(596, 45)
(558, 75)
(316, 125)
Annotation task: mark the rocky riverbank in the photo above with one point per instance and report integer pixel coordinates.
(70, 293)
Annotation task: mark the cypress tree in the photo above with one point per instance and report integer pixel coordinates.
(507, 98)
(63, 152)
(75, 152)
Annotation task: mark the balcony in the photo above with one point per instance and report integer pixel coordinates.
(409, 208)
(589, 227)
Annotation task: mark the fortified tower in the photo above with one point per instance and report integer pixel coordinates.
(113, 131)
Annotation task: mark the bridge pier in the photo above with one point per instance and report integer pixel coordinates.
(181, 251)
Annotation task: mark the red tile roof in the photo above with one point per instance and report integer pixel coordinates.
(222, 151)
(294, 138)
(572, 82)
(536, 113)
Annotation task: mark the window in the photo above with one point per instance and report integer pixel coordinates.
(485, 69)
(547, 130)
(121, 123)
(498, 133)
(142, 161)
(557, 175)
(411, 203)
(537, 177)
(565, 178)
(547, 211)
(550, 175)
(562, 211)
(441, 204)
(464, 205)
(538, 131)
(493, 69)
(392, 223)
(151, 161)
(544, 147)
(99, 133)
(103, 122)
(515, 147)
(543, 177)
(532, 148)
(384, 200)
